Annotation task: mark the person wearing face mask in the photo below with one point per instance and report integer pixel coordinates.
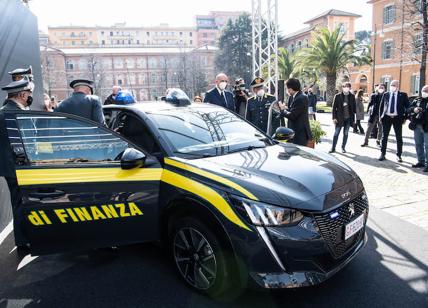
(312, 103)
(343, 112)
(219, 95)
(393, 112)
(418, 112)
(241, 95)
(258, 106)
(19, 95)
(297, 112)
(373, 109)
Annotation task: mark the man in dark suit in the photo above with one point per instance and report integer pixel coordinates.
(18, 95)
(82, 102)
(312, 102)
(393, 112)
(297, 112)
(219, 95)
(373, 110)
(343, 113)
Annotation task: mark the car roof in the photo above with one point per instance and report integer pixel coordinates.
(148, 107)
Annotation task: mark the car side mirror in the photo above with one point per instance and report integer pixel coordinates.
(132, 158)
(283, 134)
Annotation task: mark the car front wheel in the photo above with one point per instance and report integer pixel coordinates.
(200, 257)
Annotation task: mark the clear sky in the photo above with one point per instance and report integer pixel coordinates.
(292, 13)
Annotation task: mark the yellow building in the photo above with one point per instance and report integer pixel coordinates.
(396, 43)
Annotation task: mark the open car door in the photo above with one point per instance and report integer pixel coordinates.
(81, 185)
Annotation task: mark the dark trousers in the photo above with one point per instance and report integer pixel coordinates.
(358, 127)
(397, 124)
(346, 126)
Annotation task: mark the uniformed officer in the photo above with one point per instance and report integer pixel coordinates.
(258, 106)
(82, 102)
(18, 95)
(22, 73)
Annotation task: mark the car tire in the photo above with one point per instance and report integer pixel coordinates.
(201, 258)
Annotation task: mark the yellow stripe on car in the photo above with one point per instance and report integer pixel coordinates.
(85, 175)
(204, 192)
(211, 176)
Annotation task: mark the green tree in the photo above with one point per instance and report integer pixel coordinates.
(329, 54)
(287, 64)
(235, 49)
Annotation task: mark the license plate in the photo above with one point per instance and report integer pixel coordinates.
(354, 226)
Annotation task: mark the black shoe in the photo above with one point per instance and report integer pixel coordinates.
(399, 159)
(378, 142)
(426, 169)
(355, 132)
(364, 145)
(382, 157)
(332, 151)
(418, 165)
(362, 133)
(343, 150)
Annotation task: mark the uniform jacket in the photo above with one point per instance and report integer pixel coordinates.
(338, 110)
(359, 109)
(109, 100)
(213, 97)
(258, 112)
(298, 118)
(10, 105)
(374, 106)
(423, 120)
(402, 105)
(80, 104)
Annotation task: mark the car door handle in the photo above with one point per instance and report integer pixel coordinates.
(47, 194)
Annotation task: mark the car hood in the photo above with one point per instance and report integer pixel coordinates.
(287, 175)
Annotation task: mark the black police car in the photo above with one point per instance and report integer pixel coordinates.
(232, 205)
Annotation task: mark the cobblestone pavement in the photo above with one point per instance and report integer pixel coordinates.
(394, 187)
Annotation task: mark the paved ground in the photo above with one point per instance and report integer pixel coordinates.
(391, 271)
(394, 187)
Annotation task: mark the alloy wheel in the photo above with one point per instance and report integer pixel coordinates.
(195, 258)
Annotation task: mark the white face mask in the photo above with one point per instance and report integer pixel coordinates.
(381, 91)
(222, 85)
(346, 90)
(260, 93)
(424, 95)
(393, 88)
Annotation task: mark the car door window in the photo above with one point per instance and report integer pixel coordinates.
(63, 140)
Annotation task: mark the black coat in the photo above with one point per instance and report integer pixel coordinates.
(109, 100)
(338, 108)
(374, 106)
(312, 101)
(298, 118)
(86, 106)
(402, 105)
(213, 97)
(423, 119)
(10, 105)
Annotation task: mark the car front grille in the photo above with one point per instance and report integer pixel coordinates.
(333, 229)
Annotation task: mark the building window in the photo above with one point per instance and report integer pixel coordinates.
(342, 28)
(103, 42)
(82, 42)
(191, 42)
(388, 50)
(292, 48)
(386, 80)
(417, 44)
(119, 82)
(389, 14)
(72, 34)
(415, 82)
(111, 33)
(148, 33)
(118, 63)
(204, 35)
(138, 42)
(73, 43)
(190, 34)
(69, 65)
(102, 32)
(129, 42)
(306, 43)
(299, 44)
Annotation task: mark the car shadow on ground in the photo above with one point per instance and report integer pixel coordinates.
(143, 276)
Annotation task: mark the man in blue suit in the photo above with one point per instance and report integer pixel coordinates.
(219, 95)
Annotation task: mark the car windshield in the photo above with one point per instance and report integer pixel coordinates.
(203, 132)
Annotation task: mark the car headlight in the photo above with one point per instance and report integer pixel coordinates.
(262, 214)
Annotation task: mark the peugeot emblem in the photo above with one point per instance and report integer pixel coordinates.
(345, 195)
(351, 209)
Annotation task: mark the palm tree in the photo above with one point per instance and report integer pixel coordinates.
(286, 64)
(329, 54)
